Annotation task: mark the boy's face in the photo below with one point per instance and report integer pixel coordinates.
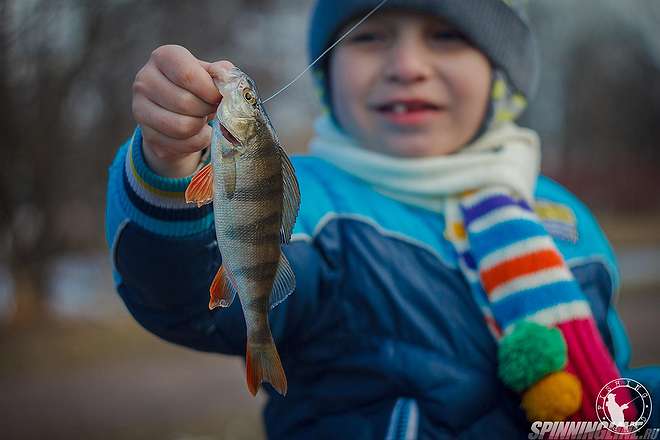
(408, 84)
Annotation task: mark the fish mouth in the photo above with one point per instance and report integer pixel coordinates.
(227, 135)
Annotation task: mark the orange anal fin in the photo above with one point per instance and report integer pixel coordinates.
(262, 364)
(223, 289)
(200, 189)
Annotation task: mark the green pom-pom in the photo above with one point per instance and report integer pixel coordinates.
(530, 352)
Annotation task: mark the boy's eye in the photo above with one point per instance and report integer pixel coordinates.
(447, 35)
(367, 37)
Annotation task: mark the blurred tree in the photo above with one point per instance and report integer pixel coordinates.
(613, 115)
(66, 68)
(36, 77)
(597, 106)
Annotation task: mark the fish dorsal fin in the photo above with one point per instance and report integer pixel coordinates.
(223, 289)
(291, 198)
(200, 188)
(284, 284)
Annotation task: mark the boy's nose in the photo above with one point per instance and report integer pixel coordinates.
(406, 64)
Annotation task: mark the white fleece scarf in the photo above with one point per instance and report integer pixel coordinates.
(508, 156)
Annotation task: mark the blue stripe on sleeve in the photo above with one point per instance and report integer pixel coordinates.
(177, 228)
(164, 213)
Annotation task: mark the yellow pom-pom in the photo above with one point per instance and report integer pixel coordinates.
(553, 398)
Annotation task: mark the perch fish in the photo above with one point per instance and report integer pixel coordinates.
(256, 198)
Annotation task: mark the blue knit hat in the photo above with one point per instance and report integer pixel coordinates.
(498, 28)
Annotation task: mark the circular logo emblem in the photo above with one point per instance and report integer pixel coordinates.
(615, 403)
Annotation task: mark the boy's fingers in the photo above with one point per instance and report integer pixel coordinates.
(165, 146)
(216, 68)
(154, 85)
(184, 70)
(177, 126)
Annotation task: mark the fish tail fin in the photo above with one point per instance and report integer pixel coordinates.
(263, 365)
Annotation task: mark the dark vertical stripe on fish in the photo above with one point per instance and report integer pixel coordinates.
(267, 225)
(272, 181)
(263, 193)
(263, 271)
(260, 238)
(259, 305)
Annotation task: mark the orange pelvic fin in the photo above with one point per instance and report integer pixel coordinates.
(263, 364)
(200, 189)
(223, 289)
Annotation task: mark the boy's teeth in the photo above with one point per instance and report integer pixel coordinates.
(399, 108)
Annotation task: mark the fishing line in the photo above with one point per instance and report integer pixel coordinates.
(326, 51)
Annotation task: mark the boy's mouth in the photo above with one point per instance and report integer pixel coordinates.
(408, 111)
(406, 106)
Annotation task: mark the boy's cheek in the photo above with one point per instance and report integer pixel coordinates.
(349, 89)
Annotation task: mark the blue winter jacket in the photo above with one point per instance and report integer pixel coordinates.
(381, 338)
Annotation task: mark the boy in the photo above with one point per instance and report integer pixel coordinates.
(413, 316)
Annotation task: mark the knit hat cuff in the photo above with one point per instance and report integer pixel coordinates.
(495, 27)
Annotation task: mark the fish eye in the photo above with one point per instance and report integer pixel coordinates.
(249, 96)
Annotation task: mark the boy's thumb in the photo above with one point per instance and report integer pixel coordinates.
(217, 69)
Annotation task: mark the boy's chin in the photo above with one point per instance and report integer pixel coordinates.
(416, 146)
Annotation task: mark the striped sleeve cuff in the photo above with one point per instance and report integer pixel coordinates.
(157, 203)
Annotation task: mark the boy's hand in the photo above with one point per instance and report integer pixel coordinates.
(173, 98)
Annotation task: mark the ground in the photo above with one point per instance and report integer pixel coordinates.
(116, 381)
(113, 380)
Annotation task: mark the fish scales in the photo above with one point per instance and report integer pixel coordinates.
(252, 252)
(255, 202)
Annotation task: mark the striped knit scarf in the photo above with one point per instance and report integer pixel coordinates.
(518, 277)
(516, 274)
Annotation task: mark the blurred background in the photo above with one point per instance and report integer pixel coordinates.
(72, 361)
